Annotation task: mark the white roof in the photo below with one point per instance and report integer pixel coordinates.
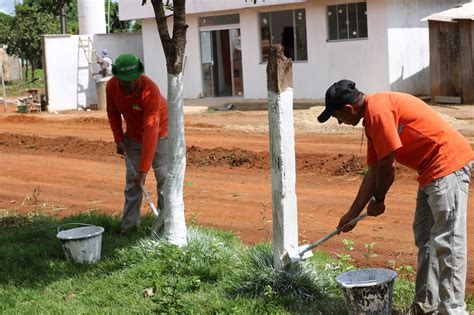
(466, 11)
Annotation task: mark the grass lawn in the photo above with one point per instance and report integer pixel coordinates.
(214, 273)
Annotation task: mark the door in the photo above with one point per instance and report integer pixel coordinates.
(221, 60)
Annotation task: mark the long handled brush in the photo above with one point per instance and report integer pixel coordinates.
(294, 255)
(145, 193)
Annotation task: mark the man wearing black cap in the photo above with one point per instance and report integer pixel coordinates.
(400, 127)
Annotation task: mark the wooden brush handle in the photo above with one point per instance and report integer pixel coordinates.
(324, 239)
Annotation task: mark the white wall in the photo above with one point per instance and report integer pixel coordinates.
(408, 41)
(395, 56)
(364, 61)
(155, 61)
(69, 82)
(132, 9)
(62, 77)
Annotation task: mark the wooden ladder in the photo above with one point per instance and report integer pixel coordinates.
(86, 45)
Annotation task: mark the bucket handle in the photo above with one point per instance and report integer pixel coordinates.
(65, 224)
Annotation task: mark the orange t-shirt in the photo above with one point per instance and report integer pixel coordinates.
(145, 113)
(418, 137)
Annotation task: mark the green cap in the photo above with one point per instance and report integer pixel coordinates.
(127, 67)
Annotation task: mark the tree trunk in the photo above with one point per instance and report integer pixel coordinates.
(175, 225)
(26, 71)
(33, 70)
(282, 153)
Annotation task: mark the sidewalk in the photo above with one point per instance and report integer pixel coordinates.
(239, 103)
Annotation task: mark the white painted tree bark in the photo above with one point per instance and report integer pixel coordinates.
(175, 225)
(282, 153)
(174, 46)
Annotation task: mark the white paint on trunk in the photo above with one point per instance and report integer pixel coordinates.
(282, 157)
(175, 224)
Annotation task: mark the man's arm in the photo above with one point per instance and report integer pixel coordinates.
(114, 116)
(152, 105)
(385, 176)
(372, 190)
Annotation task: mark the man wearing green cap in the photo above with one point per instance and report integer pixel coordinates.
(136, 98)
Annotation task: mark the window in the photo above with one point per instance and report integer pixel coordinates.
(347, 21)
(219, 20)
(287, 28)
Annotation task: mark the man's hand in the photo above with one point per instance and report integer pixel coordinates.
(121, 148)
(346, 218)
(141, 179)
(375, 208)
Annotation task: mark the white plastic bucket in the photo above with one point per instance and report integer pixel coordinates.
(83, 244)
(368, 291)
(100, 88)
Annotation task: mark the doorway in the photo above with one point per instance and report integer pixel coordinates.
(221, 59)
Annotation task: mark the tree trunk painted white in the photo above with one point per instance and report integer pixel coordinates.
(175, 225)
(282, 154)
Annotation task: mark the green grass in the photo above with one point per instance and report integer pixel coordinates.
(214, 273)
(20, 88)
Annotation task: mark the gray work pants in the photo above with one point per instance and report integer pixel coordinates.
(440, 235)
(133, 193)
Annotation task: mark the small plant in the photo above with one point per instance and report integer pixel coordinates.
(348, 244)
(369, 254)
(33, 199)
(392, 263)
(405, 271)
(344, 260)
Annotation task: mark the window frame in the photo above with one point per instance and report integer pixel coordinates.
(295, 42)
(349, 38)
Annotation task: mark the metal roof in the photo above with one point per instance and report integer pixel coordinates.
(462, 12)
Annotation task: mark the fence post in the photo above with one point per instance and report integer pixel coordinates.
(282, 152)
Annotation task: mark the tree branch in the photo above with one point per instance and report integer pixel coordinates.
(160, 19)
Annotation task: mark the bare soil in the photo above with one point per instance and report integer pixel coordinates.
(66, 163)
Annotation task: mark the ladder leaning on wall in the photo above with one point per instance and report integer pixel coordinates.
(86, 45)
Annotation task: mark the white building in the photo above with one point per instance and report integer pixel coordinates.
(380, 44)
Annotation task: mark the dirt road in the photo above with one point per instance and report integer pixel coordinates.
(66, 163)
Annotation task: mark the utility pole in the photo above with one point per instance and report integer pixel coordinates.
(3, 85)
(108, 16)
(63, 16)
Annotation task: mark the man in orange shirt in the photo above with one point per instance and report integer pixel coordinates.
(137, 99)
(400, 127)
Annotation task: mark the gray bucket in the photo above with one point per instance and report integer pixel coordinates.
(83, 244)
(368, 291)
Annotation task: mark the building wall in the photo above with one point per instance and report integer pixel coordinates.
(68, 79)
(408, 41)
(11, 66)
(395, 56)
(364, 61)
(155, 61)
(133, 9)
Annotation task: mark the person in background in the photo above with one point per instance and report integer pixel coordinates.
(135, 97)
(400, 127)
(105, 64)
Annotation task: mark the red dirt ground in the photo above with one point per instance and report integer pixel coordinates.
(64, 164)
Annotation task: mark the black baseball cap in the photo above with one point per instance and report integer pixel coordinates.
(339, 94)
